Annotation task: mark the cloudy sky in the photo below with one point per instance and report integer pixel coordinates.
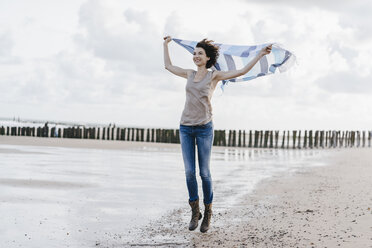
(102, 61)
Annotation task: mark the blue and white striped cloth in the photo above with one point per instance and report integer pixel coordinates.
(234, 57)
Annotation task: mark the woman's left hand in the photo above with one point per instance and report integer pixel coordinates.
(266, 50)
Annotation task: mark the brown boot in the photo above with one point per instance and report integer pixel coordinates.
(207, 218)
(196, 215)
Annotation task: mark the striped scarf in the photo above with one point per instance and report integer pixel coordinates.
(233, 57)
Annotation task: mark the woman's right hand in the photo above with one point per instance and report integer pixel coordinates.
(167, 39)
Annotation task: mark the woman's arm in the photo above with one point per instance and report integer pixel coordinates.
(168, 64)
(225, 75)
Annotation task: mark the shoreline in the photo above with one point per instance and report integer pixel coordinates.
(80, 143)
(102, 144)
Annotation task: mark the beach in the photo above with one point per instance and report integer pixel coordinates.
(327, 206)
(299, 198)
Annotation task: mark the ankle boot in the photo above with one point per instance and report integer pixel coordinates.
(207, 218)
(196, 215)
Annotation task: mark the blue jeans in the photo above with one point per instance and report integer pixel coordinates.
(202, 135)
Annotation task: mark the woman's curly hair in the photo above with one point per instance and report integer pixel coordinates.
(211, 50)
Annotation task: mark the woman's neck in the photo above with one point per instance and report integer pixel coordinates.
(202, 69)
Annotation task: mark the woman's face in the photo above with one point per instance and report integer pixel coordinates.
(200, 58)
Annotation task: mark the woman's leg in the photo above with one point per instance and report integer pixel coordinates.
(204, 141)
(187, 139)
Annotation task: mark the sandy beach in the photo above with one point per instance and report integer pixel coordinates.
(328, 206)
(319, 206)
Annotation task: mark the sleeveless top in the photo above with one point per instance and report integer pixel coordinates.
(198, 108)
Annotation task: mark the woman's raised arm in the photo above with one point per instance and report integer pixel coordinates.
(168, 64)
(225, 75)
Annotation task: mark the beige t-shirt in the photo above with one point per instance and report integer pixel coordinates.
(198, 108)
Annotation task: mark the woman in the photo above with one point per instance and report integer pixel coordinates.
(196, 125)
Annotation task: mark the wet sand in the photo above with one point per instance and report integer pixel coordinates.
(328, 206)
(79, 143)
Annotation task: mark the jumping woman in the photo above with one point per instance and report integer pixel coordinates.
(196, 125)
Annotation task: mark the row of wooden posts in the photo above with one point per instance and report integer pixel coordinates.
(233, 138)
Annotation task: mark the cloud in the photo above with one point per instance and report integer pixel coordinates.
(6, 44)
(125, 42)
(129, 44)
(6, 48)
(114, 62)
(349, 82)
(334, 5)
(110, 64)
(352, 14)
(173, 24)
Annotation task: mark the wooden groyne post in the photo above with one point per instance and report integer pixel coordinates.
(232, 138)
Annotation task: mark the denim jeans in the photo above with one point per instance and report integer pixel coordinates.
(202, 136)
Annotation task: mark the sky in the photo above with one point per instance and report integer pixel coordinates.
(102, 62)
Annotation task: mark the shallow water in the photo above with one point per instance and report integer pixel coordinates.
(74, 197)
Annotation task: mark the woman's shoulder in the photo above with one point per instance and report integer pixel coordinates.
(213, 74)
(214, 80)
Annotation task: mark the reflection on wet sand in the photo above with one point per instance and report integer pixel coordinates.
(99, 195)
